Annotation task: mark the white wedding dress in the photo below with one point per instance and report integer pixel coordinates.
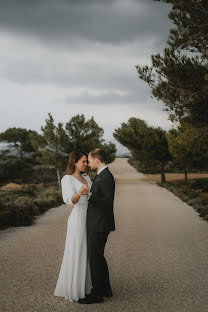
(74, 279)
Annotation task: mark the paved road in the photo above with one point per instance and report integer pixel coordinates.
(158, 255)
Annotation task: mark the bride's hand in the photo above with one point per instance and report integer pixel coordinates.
(84, 190)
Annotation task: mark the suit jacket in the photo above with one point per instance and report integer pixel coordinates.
(100, 216)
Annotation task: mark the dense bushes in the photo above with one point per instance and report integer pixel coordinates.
(22, 171)
(14, 168)
(19, 207)
(170, 166)
(42, 174)
(193, 191)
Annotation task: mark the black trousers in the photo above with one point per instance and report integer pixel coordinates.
(99, 269)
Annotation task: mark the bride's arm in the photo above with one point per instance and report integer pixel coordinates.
(75, 198)
(69, 194)
(83, 191)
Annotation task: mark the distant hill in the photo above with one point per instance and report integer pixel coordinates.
(123, 155)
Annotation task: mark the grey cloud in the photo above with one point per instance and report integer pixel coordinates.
(53, 49)
(93, 66)
(111, 97)
(100, 21)
(109, 78)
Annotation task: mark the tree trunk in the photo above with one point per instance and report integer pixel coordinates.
(19, 151)
(185, 172)
(58, 177)
(163, 180)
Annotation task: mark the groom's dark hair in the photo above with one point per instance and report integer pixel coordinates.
(99, 153)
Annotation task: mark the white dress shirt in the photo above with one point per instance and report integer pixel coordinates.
(99, 171)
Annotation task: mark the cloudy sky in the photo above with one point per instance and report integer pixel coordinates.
(72, 57)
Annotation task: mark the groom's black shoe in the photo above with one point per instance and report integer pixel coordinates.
(91, 299)
(108, 293)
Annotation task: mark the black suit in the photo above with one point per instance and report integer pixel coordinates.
(100, 222)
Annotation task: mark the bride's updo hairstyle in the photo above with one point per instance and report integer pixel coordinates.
(74, 158)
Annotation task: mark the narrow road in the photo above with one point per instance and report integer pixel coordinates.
(158, 255)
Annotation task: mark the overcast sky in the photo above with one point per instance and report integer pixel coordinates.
(72, 57)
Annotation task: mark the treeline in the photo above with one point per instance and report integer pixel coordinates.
(155, 150)
(179, 78)
(51, 147)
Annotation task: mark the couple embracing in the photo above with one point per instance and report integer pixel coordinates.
(84, 275)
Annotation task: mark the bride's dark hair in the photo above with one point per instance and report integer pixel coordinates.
(74, 158)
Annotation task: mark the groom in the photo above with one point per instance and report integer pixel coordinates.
(100, 222)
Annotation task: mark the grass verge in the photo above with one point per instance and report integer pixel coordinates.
(194, 192)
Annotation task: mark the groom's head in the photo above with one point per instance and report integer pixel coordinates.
(96, 158)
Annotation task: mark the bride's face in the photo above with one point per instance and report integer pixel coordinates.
(82, 163)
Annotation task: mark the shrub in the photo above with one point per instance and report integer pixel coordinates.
(14, 168)
(26, 203)
(43, 173)
(185, 190)
(25, 190)
(43, 204)
(20, 216)
(200, 184)
(203, 212)
(19, 206)
(206, 217)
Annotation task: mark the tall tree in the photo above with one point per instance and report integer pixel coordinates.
(180, 82)
(83, 134)
(180, 150)
(187, 147)
(86, 134)
(179, 76)
(50, 146)
(19, 138)
(147, 144)
(191, 26)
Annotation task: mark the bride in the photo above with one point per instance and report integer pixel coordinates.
(74, 280)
